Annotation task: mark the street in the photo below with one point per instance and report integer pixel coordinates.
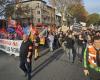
(50, 66)
(49, 40)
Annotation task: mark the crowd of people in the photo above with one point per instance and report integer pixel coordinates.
(73, 43)
(51, 38)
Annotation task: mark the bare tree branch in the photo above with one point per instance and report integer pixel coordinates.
(63, 5)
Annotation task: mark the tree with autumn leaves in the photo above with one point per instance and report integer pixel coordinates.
(75, 9)
(79, 12)
(93, 19)
(62, 7)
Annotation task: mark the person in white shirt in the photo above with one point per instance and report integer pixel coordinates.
(51, 41)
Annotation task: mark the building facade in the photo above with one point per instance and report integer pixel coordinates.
(58, 19)
(37, 12)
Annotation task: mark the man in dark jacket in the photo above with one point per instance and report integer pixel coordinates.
(69, 48)
(80, 47)
(26, 56)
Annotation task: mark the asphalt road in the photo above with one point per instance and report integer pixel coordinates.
(50, 66)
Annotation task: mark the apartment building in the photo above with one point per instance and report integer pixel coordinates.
(36, 11)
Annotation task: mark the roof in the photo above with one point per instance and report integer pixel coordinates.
(58, 14)
(31, 1)
(50, 6)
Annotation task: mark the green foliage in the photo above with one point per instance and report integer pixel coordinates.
(93, 19)
(79, 12)
(62, 6)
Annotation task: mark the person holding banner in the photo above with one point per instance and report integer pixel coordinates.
(26, 50)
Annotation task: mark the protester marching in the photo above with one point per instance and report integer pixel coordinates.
(84, 45)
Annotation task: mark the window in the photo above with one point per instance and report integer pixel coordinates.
(38, 5)
(38, 12)
(38, 19)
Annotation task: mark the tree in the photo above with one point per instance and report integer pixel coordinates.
(3, 4)
(9, 10)
(62, 6)
(93, 19)
(79, 12)
(5, 9)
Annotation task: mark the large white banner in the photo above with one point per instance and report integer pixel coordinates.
(10, 46)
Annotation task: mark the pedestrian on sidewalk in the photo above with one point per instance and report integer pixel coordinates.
(26, 56)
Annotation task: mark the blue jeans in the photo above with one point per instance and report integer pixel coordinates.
(69, 53)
